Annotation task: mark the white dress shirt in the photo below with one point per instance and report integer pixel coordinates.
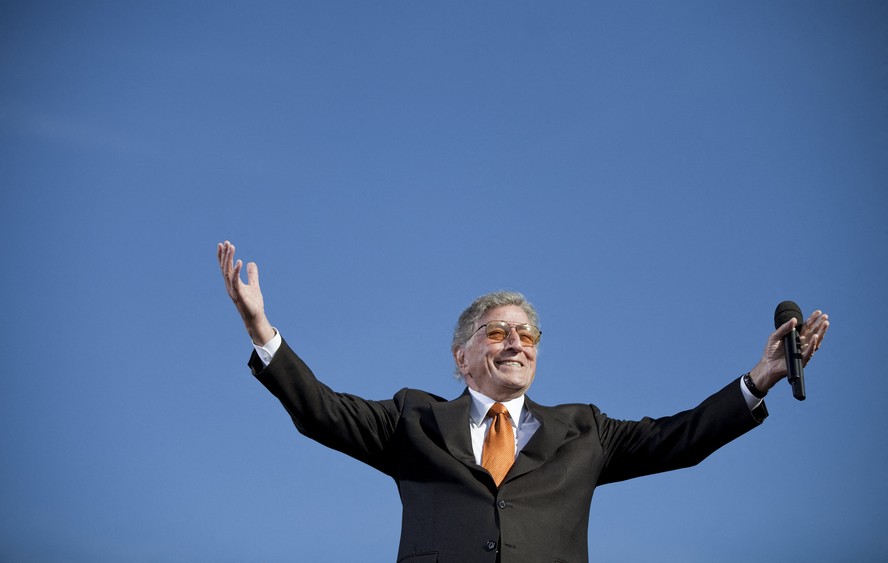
(523, 422)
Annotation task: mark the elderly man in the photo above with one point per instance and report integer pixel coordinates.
(491, 475)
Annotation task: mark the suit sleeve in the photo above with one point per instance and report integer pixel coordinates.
(647, 446)
(357, 427)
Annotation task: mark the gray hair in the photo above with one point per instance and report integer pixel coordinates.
(465, 326)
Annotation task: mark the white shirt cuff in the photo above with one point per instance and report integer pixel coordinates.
(751, 400)
(267, 351)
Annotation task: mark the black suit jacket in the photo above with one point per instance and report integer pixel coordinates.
(453, 511)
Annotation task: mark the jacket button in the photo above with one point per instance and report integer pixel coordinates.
(491, 545)
(501, 504)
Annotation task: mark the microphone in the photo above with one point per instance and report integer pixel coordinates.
(792, 346)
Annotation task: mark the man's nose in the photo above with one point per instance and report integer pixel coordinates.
(513, 341)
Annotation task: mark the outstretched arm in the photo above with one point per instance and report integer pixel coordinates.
(772, 367)
(247, 297)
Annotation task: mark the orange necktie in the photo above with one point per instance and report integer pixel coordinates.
(498, 453)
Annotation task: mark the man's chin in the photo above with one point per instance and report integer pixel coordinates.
(515, 383)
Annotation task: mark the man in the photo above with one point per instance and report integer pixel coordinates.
(492, 476)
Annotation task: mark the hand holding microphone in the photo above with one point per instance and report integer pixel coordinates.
(790, 348)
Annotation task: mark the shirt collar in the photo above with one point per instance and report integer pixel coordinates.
(481, 403)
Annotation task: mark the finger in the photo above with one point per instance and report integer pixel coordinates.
(237, 270)
(810, 349)
(814, 320)
(817, 326)
(229, 260)
(784, 329)
(223, 262)
(223, 254)
(821, 332)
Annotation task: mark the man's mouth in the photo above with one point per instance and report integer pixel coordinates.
(510, 363)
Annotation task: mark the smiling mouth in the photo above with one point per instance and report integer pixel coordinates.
(510, 363)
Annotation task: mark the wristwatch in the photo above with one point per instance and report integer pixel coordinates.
(756, 392)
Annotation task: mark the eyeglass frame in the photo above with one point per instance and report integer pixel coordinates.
(512, 326)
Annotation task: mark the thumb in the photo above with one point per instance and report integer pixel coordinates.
(785, 328)
(253, 274)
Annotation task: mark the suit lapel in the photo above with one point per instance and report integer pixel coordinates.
(452, 418)
(544, 443)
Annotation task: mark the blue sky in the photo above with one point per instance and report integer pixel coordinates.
(654, 176)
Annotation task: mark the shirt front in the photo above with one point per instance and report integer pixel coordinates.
(523, 422)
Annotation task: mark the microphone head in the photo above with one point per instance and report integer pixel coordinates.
(788, 310)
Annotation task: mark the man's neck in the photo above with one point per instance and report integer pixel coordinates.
(481, 403)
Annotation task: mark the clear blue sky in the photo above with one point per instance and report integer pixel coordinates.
(655, 176)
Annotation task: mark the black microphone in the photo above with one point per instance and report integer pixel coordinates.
(792, 345)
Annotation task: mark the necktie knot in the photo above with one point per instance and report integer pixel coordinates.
(498, 453)
(497, 409)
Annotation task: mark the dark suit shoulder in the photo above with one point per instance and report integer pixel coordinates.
(573, 414)
(417, 396)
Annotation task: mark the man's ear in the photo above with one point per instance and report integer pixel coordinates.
(459, 355)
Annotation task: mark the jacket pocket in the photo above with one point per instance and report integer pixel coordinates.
(431, 557)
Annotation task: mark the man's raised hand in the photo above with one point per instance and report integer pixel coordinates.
(247, 297)
(772, 367)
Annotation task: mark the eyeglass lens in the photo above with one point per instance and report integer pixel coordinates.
(497, 331)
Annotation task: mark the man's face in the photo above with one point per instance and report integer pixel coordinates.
(500, 370)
